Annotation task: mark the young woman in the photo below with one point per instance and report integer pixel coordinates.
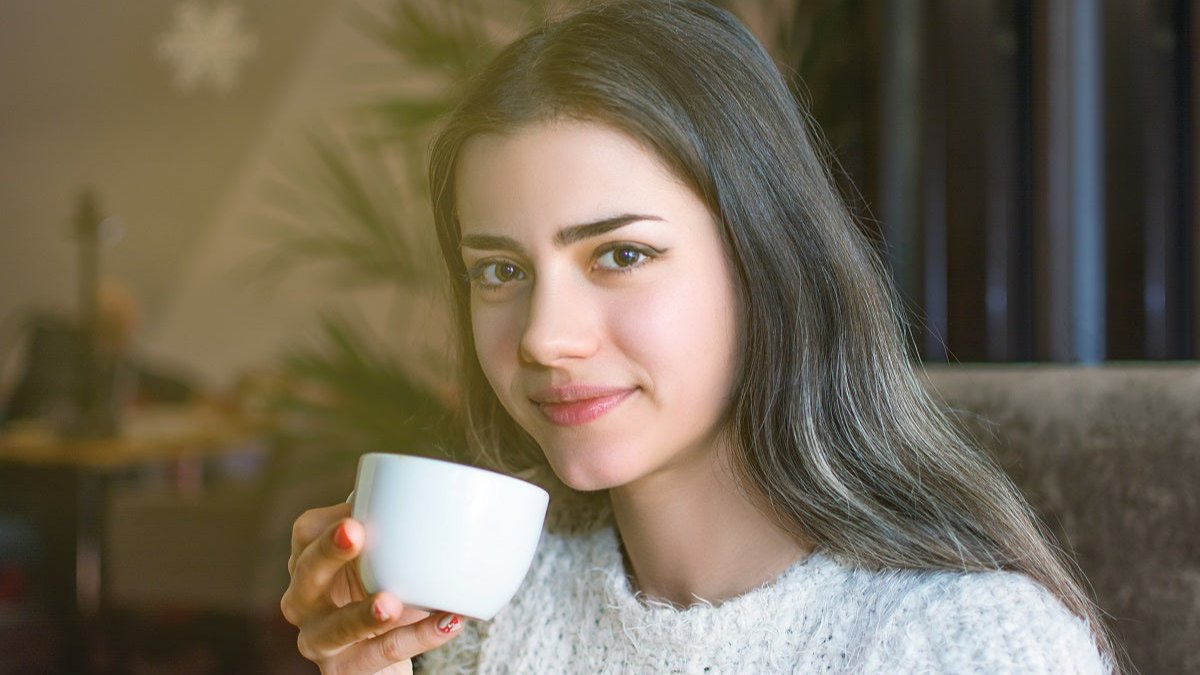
(663, 303)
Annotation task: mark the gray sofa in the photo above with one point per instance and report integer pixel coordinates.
(1110, 457)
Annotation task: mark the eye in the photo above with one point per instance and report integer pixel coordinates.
(490, 274)
(623, 257)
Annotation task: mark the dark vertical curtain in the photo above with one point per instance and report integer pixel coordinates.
(1029, 168)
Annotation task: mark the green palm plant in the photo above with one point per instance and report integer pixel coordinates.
(358, 212)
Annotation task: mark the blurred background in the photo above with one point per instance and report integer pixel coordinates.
(218, 284)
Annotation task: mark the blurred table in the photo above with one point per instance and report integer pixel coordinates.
(60, 484)
(148, 434)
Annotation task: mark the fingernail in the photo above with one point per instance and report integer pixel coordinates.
(341, 538)
(380, 613)
(449, 623)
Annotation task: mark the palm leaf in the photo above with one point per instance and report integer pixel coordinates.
(355, 397)
(349, 219)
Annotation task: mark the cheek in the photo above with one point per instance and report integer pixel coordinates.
(496, 336)
(683, 336)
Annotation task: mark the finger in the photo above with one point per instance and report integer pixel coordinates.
(332, 633)
(401, 643)
(355, 589)
(318, 565)
(310, 525)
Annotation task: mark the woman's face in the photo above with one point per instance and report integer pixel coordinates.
(602, 302)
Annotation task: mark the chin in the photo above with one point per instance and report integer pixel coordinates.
(582, 480)
(584, 476)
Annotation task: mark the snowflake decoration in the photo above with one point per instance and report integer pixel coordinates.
(206, 45)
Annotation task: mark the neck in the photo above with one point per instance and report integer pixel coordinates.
(695, 536)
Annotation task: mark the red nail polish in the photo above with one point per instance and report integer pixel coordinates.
(380, 613)
(341, 538)
(449, 623)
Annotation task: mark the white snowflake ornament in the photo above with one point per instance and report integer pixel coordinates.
(206, 45)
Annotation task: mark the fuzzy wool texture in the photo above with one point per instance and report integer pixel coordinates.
(577, 613)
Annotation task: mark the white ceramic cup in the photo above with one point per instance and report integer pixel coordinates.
(445, 537)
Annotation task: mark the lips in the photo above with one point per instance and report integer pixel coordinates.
(579, 404)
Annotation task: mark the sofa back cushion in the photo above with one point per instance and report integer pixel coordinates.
(1110, 458)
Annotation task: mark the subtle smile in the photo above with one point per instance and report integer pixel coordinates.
(575, 406)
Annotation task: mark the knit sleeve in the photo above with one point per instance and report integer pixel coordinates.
(995, 622)
(459, 656)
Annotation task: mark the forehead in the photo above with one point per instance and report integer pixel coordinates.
(559, 172)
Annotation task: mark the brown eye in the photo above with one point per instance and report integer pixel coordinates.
(507, 271)
(626, 256)
(495, 273)
(620, 258)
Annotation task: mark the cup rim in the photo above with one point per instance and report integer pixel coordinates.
(466, 467)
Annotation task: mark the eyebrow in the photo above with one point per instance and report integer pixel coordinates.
(564, 237)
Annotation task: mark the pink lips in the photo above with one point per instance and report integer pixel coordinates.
(579, 404)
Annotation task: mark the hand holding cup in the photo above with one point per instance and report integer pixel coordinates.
(342, 628)
(430, 543)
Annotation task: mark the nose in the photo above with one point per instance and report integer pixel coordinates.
(561, 325)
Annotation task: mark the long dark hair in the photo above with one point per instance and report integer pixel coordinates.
(834, 432)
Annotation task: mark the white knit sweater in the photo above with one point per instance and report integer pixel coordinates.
(576, 613)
